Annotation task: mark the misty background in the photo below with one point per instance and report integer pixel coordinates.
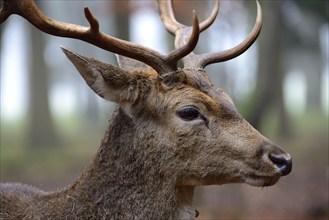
(52, 123)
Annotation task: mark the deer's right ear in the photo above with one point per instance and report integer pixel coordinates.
(106, 80)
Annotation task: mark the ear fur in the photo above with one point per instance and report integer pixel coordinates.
(108, 81)
(131, 65)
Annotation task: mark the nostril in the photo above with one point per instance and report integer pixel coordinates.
(284, 164)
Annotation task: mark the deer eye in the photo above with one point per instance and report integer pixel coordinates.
(188, 113)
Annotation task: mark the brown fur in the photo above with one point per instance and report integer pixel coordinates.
(172, 130)
(150, 159)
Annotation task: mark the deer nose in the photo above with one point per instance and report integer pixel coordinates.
(283, 163)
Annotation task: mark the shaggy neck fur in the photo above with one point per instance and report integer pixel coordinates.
(124, 183)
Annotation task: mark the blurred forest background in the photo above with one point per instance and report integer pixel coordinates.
(52, 124)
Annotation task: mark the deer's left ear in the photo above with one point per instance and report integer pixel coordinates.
(109, 81)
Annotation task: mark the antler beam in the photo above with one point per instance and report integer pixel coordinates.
(209, 58)
(161, 63)
(180, 32)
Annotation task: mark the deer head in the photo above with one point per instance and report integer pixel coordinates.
(178, 114)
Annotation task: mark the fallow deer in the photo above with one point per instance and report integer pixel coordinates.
(173, 129)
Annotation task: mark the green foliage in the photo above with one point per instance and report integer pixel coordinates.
(44, 163)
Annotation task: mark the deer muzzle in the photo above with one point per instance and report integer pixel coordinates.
(280, 159)
(283, 162)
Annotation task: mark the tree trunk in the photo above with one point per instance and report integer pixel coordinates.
(41, 132)
(122, 14)
(269, 91)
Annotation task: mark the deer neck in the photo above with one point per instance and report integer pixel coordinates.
(122, 182)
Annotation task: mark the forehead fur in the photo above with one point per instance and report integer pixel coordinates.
(194, 85)
(197, 79)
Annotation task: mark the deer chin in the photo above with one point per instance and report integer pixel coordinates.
(194, 180)
(250, 179)
(261, 181)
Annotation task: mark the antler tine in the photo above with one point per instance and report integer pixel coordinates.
(206, 23)
(209, 58)
(172, 25)
(182, 43)
(188, 47)
(167, 16)
(92, 35)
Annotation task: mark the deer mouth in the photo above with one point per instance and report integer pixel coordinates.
(261, 181)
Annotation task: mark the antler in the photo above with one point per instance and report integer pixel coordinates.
(181, 31)
(161, 63)
(170, 22)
